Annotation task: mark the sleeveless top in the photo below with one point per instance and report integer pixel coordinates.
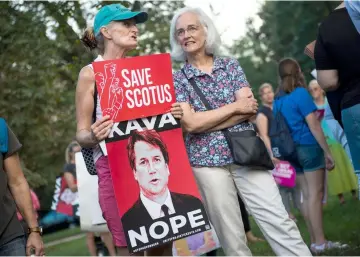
(97, 153)
(267, 111)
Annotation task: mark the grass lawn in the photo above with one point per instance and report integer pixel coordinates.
(341, 223)
(74, 248)
(61, 234)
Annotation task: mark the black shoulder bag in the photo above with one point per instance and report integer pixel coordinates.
(246, 147)
(88, 152)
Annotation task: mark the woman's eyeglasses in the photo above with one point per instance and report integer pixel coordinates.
(192, 29)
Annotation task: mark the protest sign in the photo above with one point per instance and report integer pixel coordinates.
(135, 87)
(284, 174)
(156, 193)
(91, 218)
(196, 245)
(68, 201)
(155, 189)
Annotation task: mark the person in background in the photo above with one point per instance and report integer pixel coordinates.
(342, 179)
(195, 41)
(15, 193)
(353, 8)
(69, 174)
(263, 122)
(296, 105)
(337, 55)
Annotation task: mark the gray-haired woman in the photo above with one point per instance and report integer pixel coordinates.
(195, 40)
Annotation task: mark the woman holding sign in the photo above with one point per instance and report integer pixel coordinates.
(114, 34)
(230, 104)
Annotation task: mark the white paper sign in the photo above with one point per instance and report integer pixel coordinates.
(91, 218)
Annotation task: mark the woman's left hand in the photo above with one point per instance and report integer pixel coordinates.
(177, 111)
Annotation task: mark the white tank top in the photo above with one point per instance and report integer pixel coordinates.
(97, 153)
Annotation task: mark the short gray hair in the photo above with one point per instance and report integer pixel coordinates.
(212, 42)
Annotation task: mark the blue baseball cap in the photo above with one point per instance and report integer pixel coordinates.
(116, 12)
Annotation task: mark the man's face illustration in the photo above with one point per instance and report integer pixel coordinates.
(151, 170)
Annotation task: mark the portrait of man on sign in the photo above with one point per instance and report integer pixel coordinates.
(149, 159)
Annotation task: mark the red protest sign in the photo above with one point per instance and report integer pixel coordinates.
(155, 190)
(135, 87)
(67, 201)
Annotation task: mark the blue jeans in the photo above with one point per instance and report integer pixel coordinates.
(15, 247)
(351, 121)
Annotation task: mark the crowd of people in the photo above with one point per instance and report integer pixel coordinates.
(322, 117)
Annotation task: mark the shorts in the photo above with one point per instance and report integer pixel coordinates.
(108, 202)
(297, 167)
(311, 157)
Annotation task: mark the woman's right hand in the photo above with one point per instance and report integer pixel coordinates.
(276, 161)
(329, 162)
(101, 128)
(246, 106)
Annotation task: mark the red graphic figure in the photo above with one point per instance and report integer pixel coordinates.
(115, 96)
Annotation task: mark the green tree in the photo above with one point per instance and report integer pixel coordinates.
(287, 27)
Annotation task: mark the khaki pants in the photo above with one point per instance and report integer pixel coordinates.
(219, 187)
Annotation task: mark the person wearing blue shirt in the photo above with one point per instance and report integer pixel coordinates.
(353, 8)
(313, 154)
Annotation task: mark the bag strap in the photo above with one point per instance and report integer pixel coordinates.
(4, 140)
(206, 103)
(95, 103)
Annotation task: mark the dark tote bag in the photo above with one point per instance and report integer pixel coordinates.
(246, 147)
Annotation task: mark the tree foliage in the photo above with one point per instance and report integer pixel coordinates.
(287, 27)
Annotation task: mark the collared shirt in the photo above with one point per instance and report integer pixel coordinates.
(154, 209)
(219, 87)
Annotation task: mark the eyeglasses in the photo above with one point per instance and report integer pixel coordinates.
(192, 29)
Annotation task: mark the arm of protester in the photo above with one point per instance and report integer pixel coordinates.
(241, 94)
(232, 121)
(328, 79)
(70, 181)
(307, 110)
(84, 107)
(200, 122)
(262, 125)
(20, 189)
(89, 135)
(316, 130)
(327, 74)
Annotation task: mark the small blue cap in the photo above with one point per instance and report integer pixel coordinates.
(116, 12)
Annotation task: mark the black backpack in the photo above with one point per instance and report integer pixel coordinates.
(282, 144)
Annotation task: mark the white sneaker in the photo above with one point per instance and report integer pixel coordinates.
(327, 246)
